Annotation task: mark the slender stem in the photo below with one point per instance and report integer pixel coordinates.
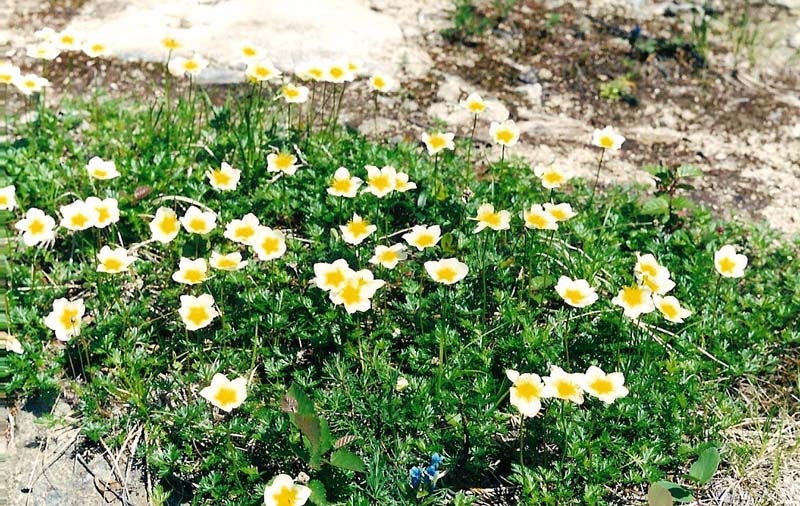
(596, 178)
(522, 440)
(469, 147)
(442, 334)
(565, 338)
(375, 116)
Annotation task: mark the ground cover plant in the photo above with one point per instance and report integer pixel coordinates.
(285, 311)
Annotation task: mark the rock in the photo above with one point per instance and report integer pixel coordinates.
(545, 74)
(529, 77)
(532, 93)
(794, 41)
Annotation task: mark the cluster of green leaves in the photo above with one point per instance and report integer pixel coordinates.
(135, 367)
(469, 21)
(666, 203)
(666, 493)
(619, 88)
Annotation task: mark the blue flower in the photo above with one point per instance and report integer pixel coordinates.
(431, 472)
(416, 476)
(436, 460)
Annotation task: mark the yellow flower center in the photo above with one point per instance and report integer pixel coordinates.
(168, 225)
(36, 227)
(3, 200)
(491, 219)
(552, 178)
(270, 245)
(378, 82)
(566, 389)
(227, 263)
(425, 240)
(197, 315)
(447, 274)
(249, 51)
(632, 296)
(244, 232)
(476, 107)
(112, 264)
(191, 65)
(78, 220)
(102, 214)
(334, 278)
(67, 39)
(536, 220)
(262, 71)
(100, 173)
(650, 282)
(574, 295)
(606, 142)
(504, 136)
(357, 228)
(558, 213)
(98, 48)
(351, 294)
(171, 43)
(286, 497)
(69, 318)
(649, 269)
(220, 178)
(380, 182)
(437, 142)
(225, 396)
(283, 161)
(197, 224)
(337, 72)
(341, 185)
(726, 265)
(291, 92)
(669, 310)
(388, 256)
(602, 386)
(194, 276)
(528, 391)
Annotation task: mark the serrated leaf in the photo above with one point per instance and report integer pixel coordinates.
(344, 441)
(311, 428)
(657, 495)
(682, 203)
(658, 205)
(677, 492)
(347, 460)
(653, 170)
(448, 243)
(705, 467)
(319, 495)
(687, 170)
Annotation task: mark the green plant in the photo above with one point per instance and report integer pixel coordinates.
(665, 493)
(667, 204)
(620, 88)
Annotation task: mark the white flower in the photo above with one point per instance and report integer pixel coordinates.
(561, 212)
(244, 230)
(402, 184)
(388, 256)
(505, 133)
(179, 66)
(78, 216)
(261, 71)
(338, 73)
(8, 200)
(382, 83)
(635, 300)
(197, 312)
(196, 221)
(10, 343)
(447, 271)
(577, 292)
(564, 385)
(225, 178)
(191, 272)
(67, 40)
(436, 142)
(101, 169)
(65, 319)
(36, 227)
(671, 308)
(527, 392)
(380, 182)
(269, 244)
(225, 394)
(294, 94)
(422, 236)
(29, 84)
(113, 261)
(606, 387)
(332, 276)
(402, 384)
(95, 48)
(608, 138)
(164, 227)
(285, 163)
(43, 51)
(251, 52)
(729, 263)
(537, 218)
(107, 211)
(8, 72)
(285, 492)
(343, 184)
(553, 176)
(356, 230)
(357, 291)
(474, 104)
(229, 262)
(487, 217)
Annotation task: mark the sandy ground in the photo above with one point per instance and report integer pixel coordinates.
(738, 120)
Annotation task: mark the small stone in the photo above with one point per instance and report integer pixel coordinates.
(545, 74)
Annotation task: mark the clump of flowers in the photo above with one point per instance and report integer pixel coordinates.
(423, 480)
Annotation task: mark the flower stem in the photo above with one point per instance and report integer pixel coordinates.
(596, 178)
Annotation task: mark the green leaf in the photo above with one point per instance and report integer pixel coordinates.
(658, 495)
(705, 467)
(687, 170)
(348, 460)
(448, 243)
(658, 205)
(679, 203)
(677, 492)
(311, 428)
(325, 442)
(319, 495)
(305, 406)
